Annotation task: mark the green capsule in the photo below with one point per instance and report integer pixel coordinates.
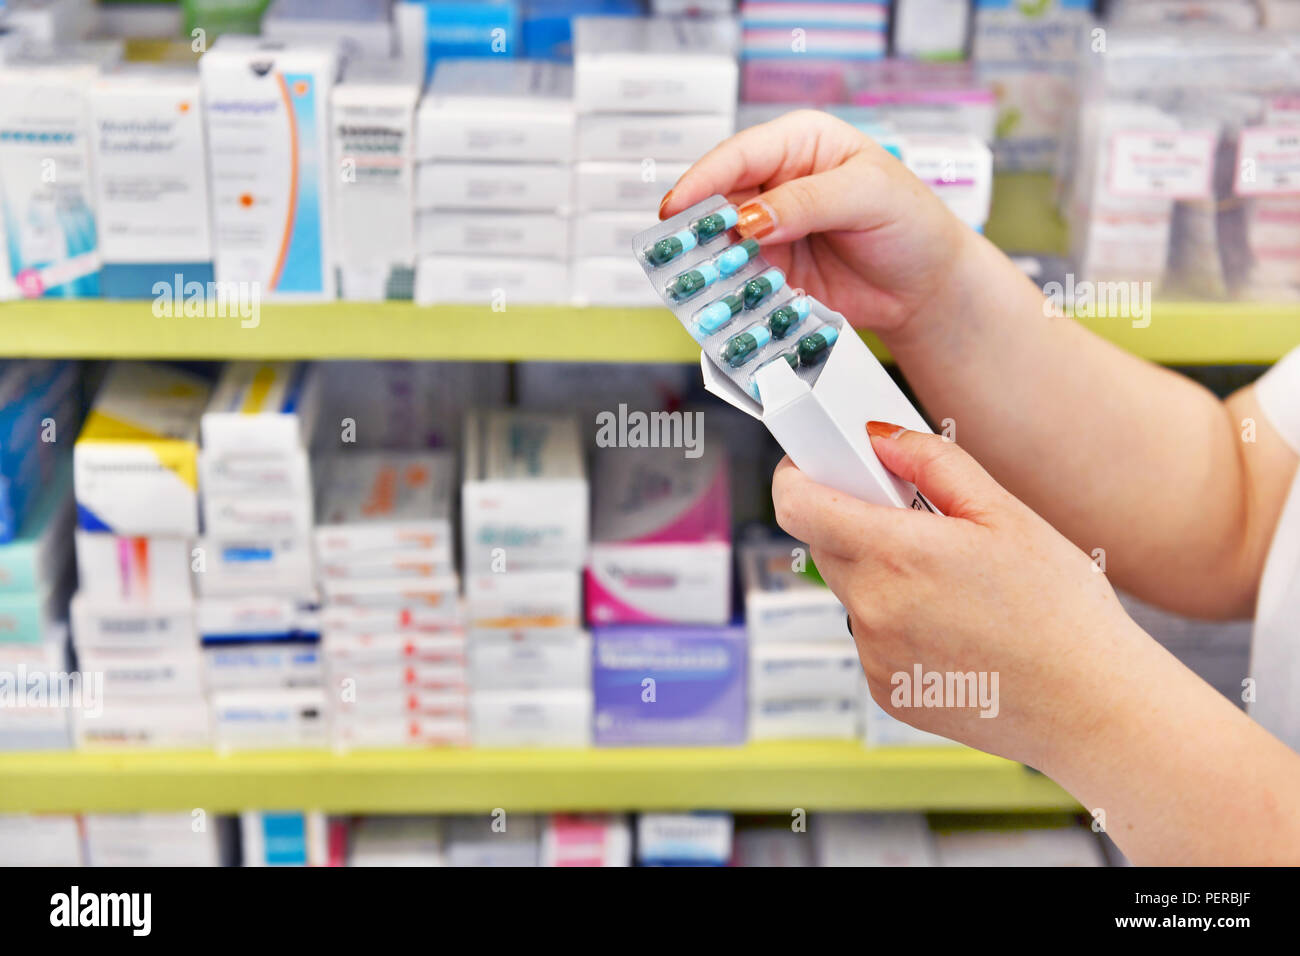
(740, 348)
(715, 224)
(689, 283)
(760, 287)
(670, 247)
(814, 348)
(783, 320)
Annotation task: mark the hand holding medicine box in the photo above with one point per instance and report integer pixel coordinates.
(779, 355)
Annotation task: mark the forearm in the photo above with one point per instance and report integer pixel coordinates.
(1118, 454)
(1181, 775)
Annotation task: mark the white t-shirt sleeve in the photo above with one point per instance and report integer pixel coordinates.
(1275, 643)
(1278, 391)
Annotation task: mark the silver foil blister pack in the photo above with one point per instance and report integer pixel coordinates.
(733, 302)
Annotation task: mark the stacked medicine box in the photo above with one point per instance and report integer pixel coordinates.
(392, 625)
(494, 183)
(36, 517)
(524, 514)
(133, 627)
(372, 116)
(257, 614)
(805, 679)
(653, 94)
(668, 667)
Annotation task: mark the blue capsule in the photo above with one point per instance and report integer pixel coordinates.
(689, 283)
(734, 258)
(670, 247)
(717, 314)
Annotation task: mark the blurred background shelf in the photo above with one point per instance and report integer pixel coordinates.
(1180, 333)
(776, 777)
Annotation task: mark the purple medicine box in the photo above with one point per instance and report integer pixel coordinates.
(699, 676)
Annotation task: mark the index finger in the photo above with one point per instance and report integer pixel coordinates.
(766, 153)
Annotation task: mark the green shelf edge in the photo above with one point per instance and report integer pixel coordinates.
(766, 777)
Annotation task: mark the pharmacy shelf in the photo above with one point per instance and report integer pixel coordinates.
(1178, 333)
(775, 777)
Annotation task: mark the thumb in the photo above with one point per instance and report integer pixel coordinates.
(843, 198)
(950, 478)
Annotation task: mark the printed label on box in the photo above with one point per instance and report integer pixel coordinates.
(1268, 162)
(1161, 165)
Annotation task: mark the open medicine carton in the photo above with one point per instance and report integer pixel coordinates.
(816, 411)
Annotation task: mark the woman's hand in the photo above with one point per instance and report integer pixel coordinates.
(844, 219)
(989, 587)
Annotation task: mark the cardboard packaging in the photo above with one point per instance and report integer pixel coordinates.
(661, 537)
(699, 677)
(267, 111)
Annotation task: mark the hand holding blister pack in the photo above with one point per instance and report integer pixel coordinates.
(778, 354)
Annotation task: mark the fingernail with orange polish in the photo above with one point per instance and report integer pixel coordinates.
(884, 430)
(756, 219)
(664, 202)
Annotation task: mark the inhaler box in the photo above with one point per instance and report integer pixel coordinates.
(267, 110)
(130, 568)
(136, 460)
(494, 109)
(524, 496)
(661, 537)
(151, 182)
(46, 187)
(783, 604)
(698, 694)
(372, 125)
(655, 65)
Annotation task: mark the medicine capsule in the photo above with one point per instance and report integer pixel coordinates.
(715, 223)
(815, 347)
(742, 347)
(670, 247)
(717, 314)
(783, 320)
(689, 283)
(760, 287)
(790, 358)
(734, 258)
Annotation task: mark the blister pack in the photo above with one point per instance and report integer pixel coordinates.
(733, 302)
(777, 354)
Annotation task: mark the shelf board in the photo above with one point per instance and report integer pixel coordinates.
(768, 777)
(1180, 333)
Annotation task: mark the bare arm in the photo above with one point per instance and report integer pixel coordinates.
(1117, 453)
